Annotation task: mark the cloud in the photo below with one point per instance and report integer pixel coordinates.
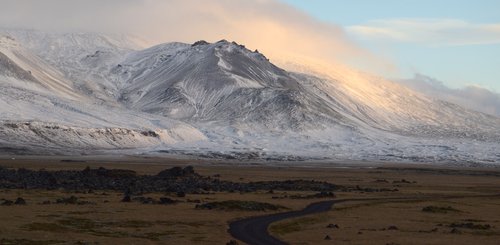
(472, 97)
(273, 27)
(439, 32)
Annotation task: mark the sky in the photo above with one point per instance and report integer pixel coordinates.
(451, 43)
(455, 41)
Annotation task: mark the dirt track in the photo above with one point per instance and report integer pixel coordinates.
(254, 230)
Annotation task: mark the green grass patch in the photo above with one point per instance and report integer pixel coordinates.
(153, 236)
(198, 239)
(470, 225)
(79, 223)
(294, 225)
(134, 224)
(190, 224)
(49, 216)
(82, 212)
(438, 209)
(91, 227)
(232, 205)
(5, 241)
(49, 227)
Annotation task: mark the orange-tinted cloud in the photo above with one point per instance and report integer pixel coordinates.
(273, 27)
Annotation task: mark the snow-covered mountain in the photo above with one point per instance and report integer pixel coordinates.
(94, 92)
(42, 110)
(221, 82)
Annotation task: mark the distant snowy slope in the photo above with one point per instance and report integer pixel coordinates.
(40, 106)
(19, 63)
(83, 58)
(473, 97)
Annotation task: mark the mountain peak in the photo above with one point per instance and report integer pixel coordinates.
(201, 42)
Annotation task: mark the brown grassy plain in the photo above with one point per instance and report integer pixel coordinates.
(473, 194)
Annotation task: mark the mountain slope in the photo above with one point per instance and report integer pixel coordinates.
(221, 82)
(19, 63)
(226, 83)
(82, 58)
(218, 99)
(42, 111)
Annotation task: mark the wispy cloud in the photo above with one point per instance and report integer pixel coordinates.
(271, 26)
(429, 31)
(472, 96)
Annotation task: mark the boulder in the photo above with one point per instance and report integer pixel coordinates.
(7, 203)
(166, 200)
(393, 228)
(69, 200)
(232, 242)
(333, 226)
(20, 201)
(126, 198)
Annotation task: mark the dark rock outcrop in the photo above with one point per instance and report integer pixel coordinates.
(198, 43)
(177, 180)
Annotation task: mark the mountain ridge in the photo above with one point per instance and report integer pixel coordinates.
(222, 97)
